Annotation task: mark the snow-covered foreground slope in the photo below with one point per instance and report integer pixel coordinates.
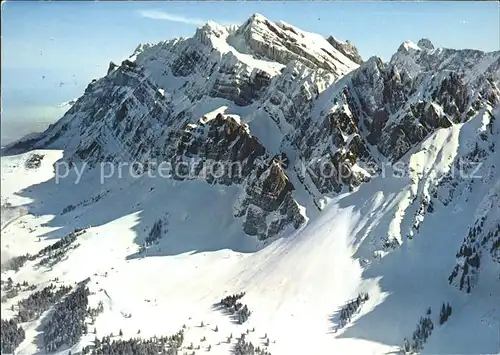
(196, 264)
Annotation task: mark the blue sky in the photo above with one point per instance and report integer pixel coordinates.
(51, 50)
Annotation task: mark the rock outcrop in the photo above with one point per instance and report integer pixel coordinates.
(346, 48)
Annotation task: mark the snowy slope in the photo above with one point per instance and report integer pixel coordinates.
(410, 214)
(285, 282)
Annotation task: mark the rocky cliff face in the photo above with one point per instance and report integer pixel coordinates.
(222, 150)
(221, 139)
(282, 43)
(421, 90)
(346, 48)
(268, 204)
(245, 95)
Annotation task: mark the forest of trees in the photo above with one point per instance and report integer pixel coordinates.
(230, 301)
(238, 311)
(68, 209)
(54, 253)
(40, 301)
(34, 161)
(94, 312)
(11, 335)
(10, 290)
(85, 203)
(445, 313)
(470, 253)
(243, 347)
(29, 309)
(51, 254)
(166, 345)
(420, 335)
(350, 308)
(61, 243)
(67, 323)
(17, 262)
(155, 233)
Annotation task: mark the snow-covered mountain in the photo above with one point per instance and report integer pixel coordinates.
(303, 177)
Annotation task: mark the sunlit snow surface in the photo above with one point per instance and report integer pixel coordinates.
(294, 285)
